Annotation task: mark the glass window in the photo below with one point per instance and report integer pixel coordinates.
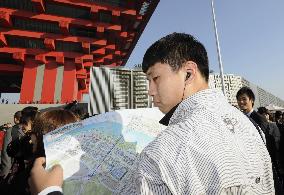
(7, 58)
(23, 42)
(82, 32)
(18, 4)
(105, 16)
(94, 47)
(67, 11)
(68, 46)
(34, 25)
(118, 3)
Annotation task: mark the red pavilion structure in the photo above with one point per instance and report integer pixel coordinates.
(47, 47)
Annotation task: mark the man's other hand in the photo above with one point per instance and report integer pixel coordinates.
(40, 179)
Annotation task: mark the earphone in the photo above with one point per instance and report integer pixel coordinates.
(187, 76)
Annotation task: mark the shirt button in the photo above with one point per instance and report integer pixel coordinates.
(257, 180)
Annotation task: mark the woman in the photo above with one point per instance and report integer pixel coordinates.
(27, 148)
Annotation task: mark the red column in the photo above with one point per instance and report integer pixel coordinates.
(49, 79)
(75, 94)
(80, 95)
(69, 84)
(28, 81)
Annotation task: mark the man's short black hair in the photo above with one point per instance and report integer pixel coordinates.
(247, 91)
(262, 110)
(278, 114)
(176, 49)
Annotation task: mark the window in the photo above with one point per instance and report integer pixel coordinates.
(68, 46)
(118, 3)
(34, 25)
(105, 16)
(23, 42)
(82, 32)
(7, 58)
(67, 11)
(18, 4)
(94, 47)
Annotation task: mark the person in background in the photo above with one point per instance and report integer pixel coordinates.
(273, 129)
(14, 180)
(47, 122)
(245, 98)
(11, 134)
(30, 146)
(208, 147)
(78, 110)
(279, 122)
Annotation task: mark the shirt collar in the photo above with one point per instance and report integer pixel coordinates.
(203, 98)
(249, 113)
(166, 119)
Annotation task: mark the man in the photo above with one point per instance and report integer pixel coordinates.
(279, 122)
(245, 98)
(273, 128)
(209, 147)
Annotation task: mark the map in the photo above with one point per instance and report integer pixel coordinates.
(99, 153)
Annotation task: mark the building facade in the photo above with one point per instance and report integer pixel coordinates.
(120, 88)
(47, 47)
(233, 83)
(117, 88)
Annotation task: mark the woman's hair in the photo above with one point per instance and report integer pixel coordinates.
(28, 114)
(18, 115)
(48, 121)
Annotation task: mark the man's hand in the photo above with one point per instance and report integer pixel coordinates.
(41, 179)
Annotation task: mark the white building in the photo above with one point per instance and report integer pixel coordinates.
(118, 88)
(233, 83)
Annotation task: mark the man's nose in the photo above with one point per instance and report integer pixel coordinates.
(151, 90)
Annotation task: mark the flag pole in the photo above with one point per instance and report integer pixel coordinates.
(218, 49)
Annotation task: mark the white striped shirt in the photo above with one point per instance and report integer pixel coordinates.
(209, 147)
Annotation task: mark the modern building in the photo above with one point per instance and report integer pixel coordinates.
(120, 88)
(233, 83)
(47, 47)
(117, 88)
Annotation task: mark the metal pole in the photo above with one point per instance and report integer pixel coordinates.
(218, 49)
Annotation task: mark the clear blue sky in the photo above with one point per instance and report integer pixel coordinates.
(251, 35)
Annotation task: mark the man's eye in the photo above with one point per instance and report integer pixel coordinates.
(155, 78)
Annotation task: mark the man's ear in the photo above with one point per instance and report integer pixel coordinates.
(190, 70)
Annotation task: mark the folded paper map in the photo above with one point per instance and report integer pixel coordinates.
(100, 153)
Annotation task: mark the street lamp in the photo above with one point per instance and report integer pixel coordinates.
(218, 49)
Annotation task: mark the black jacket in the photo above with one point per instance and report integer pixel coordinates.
(6, 161)
(260, 120)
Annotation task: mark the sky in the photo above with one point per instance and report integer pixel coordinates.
(251, 36)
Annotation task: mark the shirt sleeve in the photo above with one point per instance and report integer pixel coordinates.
(51, 190)
(148, 180)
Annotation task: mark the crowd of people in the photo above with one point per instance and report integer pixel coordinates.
(22, 143)
(271, 128)
(4, 101)
(208, 147)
